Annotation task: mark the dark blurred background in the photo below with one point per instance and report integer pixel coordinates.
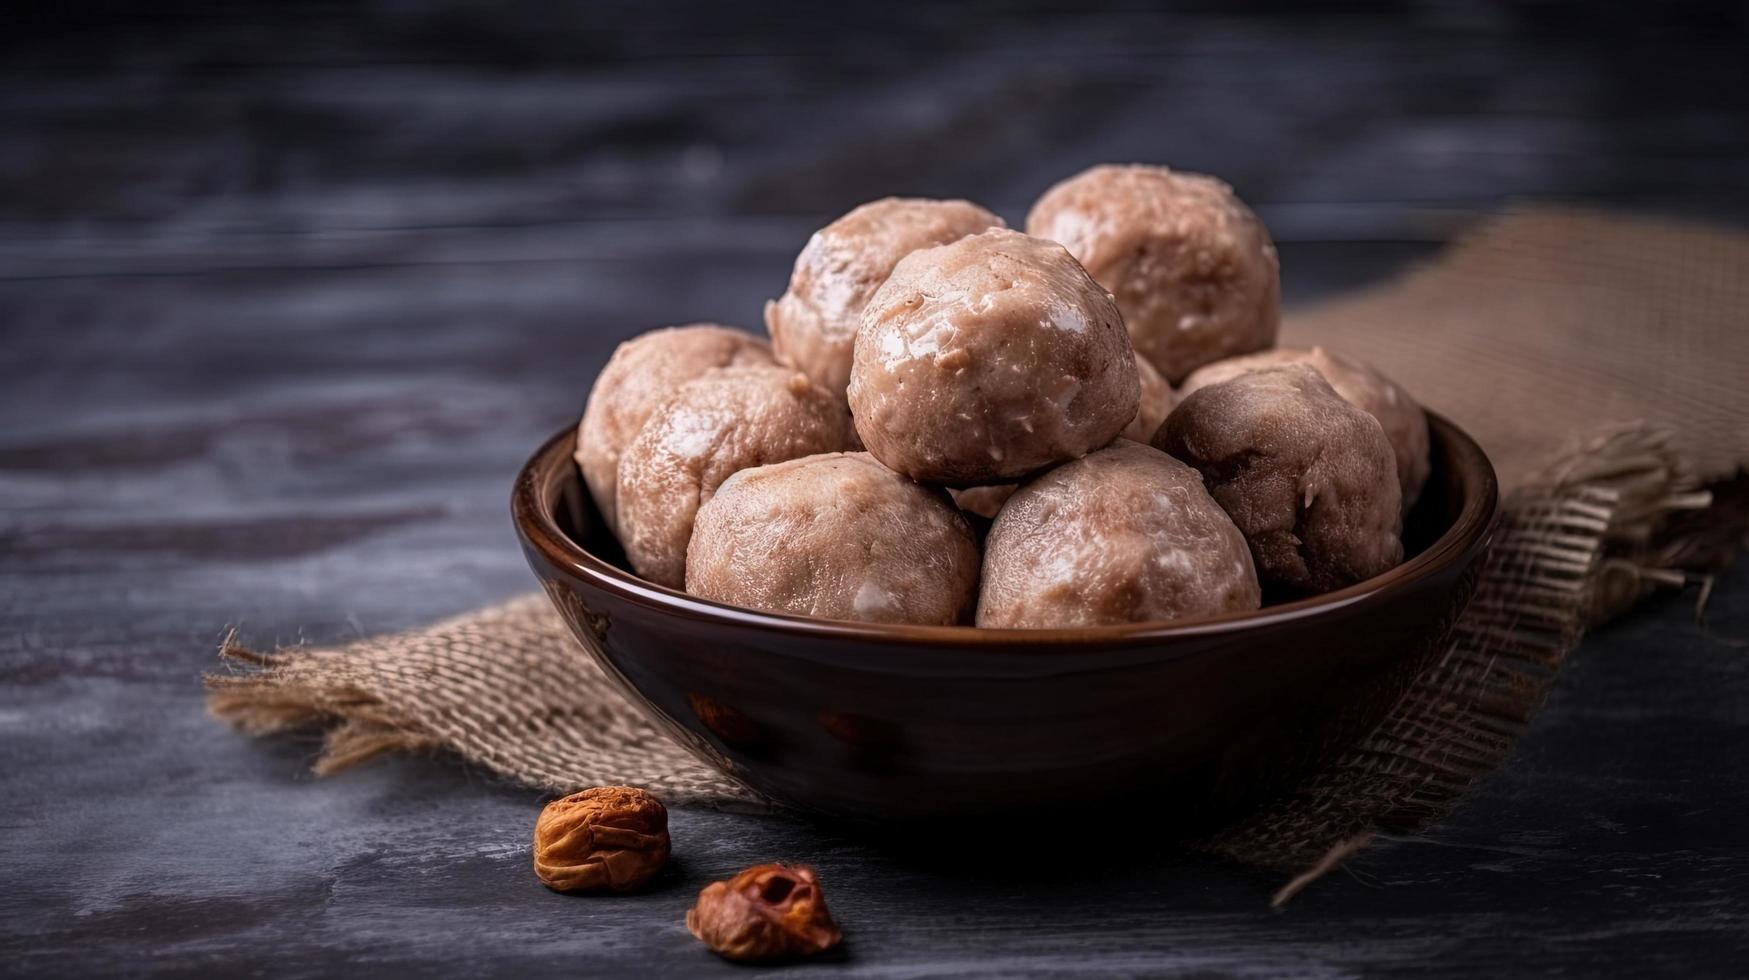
(668, 159)
(401, 118)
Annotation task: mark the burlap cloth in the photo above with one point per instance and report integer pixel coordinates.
(1600, 360)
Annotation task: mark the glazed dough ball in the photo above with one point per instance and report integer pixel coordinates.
(837, 536)
(641, 375)
(1125, 535)
(1156, 403)
(813, 325)
(1193, 270)
(713, 427)
(988, 358)
(1309, 479)
(1404, 422)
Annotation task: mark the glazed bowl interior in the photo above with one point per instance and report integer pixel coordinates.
(882, 722)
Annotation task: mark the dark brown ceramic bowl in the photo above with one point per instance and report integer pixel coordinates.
(888, 723)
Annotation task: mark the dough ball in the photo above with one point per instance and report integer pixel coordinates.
(1193, 270)
(813, 325)
(1309, 479)
(837, 536)
(1401, 417)
(988, 358)
(1125, 535)
(713, 427)
(641, 375)
(1156, 403)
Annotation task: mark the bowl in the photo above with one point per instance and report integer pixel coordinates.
(886, 724)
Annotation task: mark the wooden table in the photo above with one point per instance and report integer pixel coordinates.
(288, 294)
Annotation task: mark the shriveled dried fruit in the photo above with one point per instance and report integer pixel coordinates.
(768, 912)
(605, 839)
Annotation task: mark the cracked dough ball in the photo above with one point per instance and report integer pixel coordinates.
(813, 325)
(1309, 479)
(713, 427)
(1401, 417)
(641, 375)
(1193, 270)
(838, 536)
(1156, 404)
(1125, 535)
(986, 359)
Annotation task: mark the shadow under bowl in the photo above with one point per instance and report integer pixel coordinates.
(887, 724)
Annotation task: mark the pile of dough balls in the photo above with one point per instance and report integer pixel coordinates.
(956, 423)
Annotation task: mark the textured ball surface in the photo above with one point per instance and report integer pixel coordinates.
(1398, 413)
(1125, 535)
(1191, 267)
(712, 428)
(836, 536)
(989, 358)
(642, 374)
(813, 325)
(1309, 479)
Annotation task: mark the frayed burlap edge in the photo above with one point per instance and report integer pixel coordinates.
(268, 699)
(506, 687)
(1582, 543)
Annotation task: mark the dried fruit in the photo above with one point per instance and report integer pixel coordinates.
(605, 839)
(768, 912)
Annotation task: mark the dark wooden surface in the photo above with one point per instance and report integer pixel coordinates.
(288, 292)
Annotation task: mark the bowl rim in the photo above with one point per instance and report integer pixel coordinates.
(534, 509)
